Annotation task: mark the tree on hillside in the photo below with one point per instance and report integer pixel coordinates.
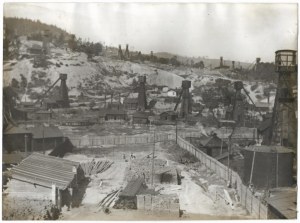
(174, 61)
(72, 43)
(15, 83)
(23, 83)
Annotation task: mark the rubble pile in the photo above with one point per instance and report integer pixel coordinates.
(143, 168)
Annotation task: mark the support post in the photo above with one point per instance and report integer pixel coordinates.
(252, 167)
(26, 142)
(53, 194)
(152, 175)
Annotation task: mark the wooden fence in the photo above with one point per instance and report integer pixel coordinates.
(94, 141)
(254, 206)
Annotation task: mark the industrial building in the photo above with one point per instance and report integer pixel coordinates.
(112, 115)
(45, 137)
(46, 178)
(268, 167)
(17, 139)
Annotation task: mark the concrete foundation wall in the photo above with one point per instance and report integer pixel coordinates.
(165, 203)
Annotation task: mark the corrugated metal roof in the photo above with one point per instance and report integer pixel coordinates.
(45, 170)
(269, 149)
(133, 187)
(285, 203)
(141, 114)
(104, 112)
(41, 131)
(16, 130)
(211, 141)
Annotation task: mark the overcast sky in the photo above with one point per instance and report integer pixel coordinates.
(238, 32)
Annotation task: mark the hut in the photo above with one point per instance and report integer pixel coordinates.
(212, 145)
(128, 197)
(16, 138)
(46, 137)
(43, 115)
(45, 178)
(112, 115)
(168, 116)
(131, 103)
(141, 117)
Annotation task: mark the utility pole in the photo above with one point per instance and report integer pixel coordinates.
(152, 174)
(228, 157)
(176, 131)
(43, 139)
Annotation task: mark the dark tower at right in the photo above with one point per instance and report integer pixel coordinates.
(142, 100)
(186, 107)
(63, 92)
(238, 104)
(284, 122)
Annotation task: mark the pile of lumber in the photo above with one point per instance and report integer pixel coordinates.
(109, 200)
(94, 167)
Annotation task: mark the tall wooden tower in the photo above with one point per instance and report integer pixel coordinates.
(142, 100)
(284, 122)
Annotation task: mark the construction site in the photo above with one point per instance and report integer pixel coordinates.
(148, 150)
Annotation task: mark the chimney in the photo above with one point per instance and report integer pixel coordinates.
(221, 61)
(186, 99)
(233, 63)
(142, 100)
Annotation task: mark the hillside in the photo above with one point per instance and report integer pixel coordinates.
(93, 75)
(22, 27)
(207, 61)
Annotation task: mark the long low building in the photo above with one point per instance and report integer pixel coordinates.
(50, 178)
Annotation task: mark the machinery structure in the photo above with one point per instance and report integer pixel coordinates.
(238, 111)
(63, 98)
(284, 122)
(142, 99)
(126, 54)
(186, 102)
(120, 53)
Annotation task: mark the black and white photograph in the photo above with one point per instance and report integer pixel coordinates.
(121, 111)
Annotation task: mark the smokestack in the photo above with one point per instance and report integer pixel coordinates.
(105, 100)
(186, 99)
(126, 54)
(257, 62)
(233, 63)
(120, 53)
(142, 100)
(221, 61)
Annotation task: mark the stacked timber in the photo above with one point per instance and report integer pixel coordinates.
(94, 167)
